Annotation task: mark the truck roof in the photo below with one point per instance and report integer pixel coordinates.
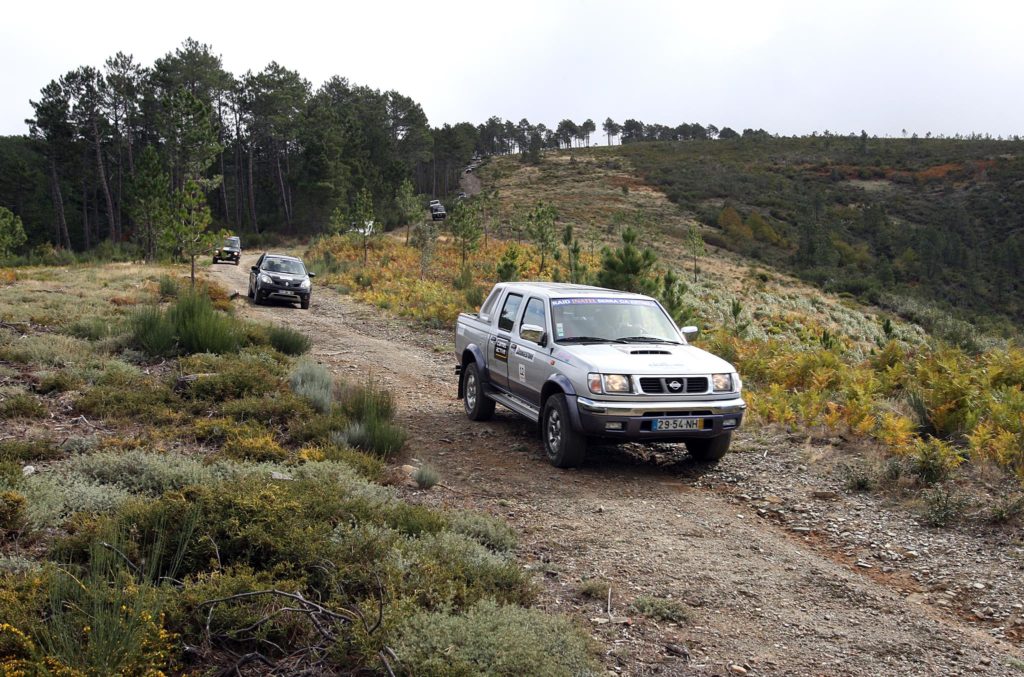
(558, 289)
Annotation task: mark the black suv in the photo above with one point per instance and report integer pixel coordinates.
(231, 250)
(276, 276)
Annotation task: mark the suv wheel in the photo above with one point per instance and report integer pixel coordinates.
(478, 406)
(709, 449)
(564, 446)
(305, 303)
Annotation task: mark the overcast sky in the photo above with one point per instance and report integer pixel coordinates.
(788, 67)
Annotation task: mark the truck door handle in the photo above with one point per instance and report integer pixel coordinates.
(493, 339)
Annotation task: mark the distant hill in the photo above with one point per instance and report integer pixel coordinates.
(886, 220)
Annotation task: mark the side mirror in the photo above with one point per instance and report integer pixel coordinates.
(689, 331)
(311, 274)
(534, 333)
(255, 269)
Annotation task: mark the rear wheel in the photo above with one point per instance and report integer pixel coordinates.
(709, 450)
(478, 406)
(564, 446)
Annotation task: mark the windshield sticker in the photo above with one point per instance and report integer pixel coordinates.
(559, 329)
(610, 302)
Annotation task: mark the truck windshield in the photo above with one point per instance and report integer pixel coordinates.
(611, 319)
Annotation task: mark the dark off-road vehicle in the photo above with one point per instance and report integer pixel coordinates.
(281, 277)
(231, 250)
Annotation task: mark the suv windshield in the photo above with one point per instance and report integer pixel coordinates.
(611, 319)
(289, 266)
(232, 242)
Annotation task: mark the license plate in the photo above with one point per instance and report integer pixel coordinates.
(677, 424)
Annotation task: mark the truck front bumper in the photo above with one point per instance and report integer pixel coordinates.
(631, 421)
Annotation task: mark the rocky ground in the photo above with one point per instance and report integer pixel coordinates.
(769, 563)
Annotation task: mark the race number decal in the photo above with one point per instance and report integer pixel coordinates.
(522, 373)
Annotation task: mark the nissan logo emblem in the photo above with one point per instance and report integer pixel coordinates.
(675, 385)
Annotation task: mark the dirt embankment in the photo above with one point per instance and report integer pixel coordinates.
(779, 570)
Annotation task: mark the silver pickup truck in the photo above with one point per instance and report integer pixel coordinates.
(586, 362)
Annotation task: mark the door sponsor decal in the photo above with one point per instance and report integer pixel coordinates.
(501, 350)
(523, 353)
(522, 373)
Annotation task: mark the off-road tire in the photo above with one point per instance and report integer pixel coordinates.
(564, 446)
(709, 449)
(478, 406)
(304, 303)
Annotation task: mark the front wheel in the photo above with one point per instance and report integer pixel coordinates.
(305, 303)
(709, 450)
(478, 406)
(564, 446)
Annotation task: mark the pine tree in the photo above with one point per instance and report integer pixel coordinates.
(628, 268)
(186, 230)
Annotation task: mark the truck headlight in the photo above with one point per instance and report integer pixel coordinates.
(304, 284)
(265, 279)
(722, 383)
(609, 383)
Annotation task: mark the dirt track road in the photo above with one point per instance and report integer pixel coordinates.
(762, 597)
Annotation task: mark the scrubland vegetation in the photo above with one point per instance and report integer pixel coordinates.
(179, 491)
(812, 362)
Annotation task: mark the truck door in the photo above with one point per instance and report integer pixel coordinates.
(527, 364)
(497, 352)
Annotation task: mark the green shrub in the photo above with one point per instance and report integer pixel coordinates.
(254, 447)
(366, 465)
(270, 409)
(12, 510)
(313, 382)
(448, 568)
(53, 497)
(492, 639)
(121, 610)
(168, 287)
(943, 506)
(21, 405)
(367, 402)
(377, 437)
(148, 401)
(288, 340)
(190, 613)
(57, 382)
(660, 609)
(22, 451)
(319, 429)
(142, 472)
(151, 331)
(426, 477)
(200, 328)
(92, 328)
(230, 377)
(595, 588)
(934, 459)
(490, 531)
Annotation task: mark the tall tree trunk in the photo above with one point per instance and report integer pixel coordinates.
(284, 195)
(239, 184)
(63, 239)
(86, 232)
(224, 191)
(102, 176)
(252, 194)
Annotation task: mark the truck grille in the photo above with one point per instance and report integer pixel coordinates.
(674, 384)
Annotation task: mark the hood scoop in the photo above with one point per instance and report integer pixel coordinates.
(650, 351)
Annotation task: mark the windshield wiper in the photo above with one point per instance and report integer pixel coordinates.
(647, 339)
(585, 339)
